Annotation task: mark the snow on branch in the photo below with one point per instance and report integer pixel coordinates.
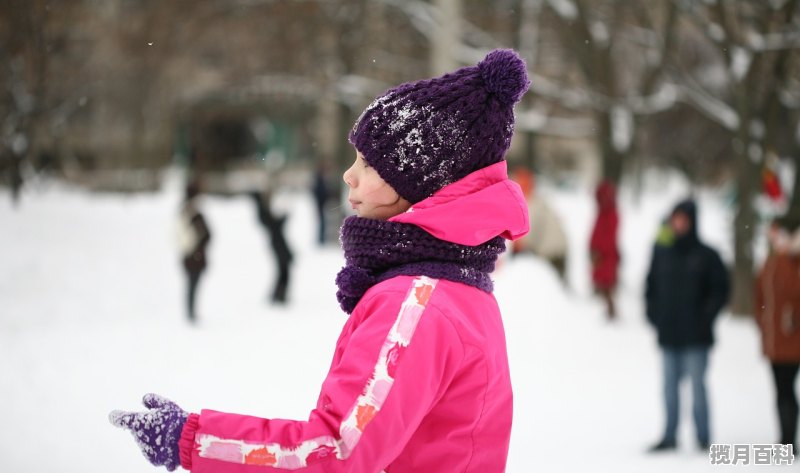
(576, 98)
(789, 98)
(774, 41)
(700, 17)
(715, 32)
(540, 122)
(741, 60)
(713, 108)
(353, 89)
(564, 8)
(426, 19)
(663, 99)
(599, 32)
(621, 128)
(640, 36)
(423, 16)
(572, 98)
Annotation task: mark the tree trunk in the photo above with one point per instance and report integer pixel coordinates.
(446, 37)
(613, 160)
(744, 230)
(530, 151)
(794, 202)
(345, 154)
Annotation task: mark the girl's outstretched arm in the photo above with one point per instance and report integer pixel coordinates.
(395, 357)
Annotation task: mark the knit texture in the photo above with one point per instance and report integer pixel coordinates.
(377, 250)
(421, 136)
(156, 430)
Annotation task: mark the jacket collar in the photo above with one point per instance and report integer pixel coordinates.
(473, 210)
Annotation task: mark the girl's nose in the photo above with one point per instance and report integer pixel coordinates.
(348, 178)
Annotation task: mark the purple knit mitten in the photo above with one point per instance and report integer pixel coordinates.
(157, 430)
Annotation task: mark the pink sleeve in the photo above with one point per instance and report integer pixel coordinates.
(377, 391)
(186, 442)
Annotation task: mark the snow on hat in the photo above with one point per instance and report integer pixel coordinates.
(421, 136)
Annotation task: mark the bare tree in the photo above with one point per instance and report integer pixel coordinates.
(446, 37)
(620, 50)
(747, 92)
(23, 55)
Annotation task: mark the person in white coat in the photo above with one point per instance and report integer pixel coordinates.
(546, 238)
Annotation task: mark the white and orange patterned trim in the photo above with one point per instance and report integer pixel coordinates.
(364, 409)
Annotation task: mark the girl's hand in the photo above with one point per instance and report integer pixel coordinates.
(156, 430)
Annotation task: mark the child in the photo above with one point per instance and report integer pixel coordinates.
(419, 379)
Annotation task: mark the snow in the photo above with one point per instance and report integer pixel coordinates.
(787, 39)
(715, 32)
(663, 99)
(569, 97)
(599, 32)
(565, 8)
(740, 62)
(423, 16)
(712, 107)
(91, 318)
(757, 128)
(621, 128)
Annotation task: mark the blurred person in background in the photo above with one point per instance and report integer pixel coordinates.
(778, 317)
(687, 285)
(321, 191)
(194, 236)
(275, 227)
(546, 238)
(603, 248)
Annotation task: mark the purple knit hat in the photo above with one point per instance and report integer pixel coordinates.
(421, 136)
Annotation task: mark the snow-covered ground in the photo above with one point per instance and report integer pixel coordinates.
(92, 317)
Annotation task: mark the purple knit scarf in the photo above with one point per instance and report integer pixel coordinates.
(377, 250)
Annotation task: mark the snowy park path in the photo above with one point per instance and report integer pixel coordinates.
(91, 318)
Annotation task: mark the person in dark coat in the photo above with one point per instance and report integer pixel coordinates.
(320, 189)
(194, 238)
(274, 226)
(687, 285)
(603, 246)
(778, 316)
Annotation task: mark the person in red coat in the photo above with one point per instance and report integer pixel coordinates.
(603, 245)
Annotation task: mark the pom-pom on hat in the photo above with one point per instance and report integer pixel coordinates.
(421, 136)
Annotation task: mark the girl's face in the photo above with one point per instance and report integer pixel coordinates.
(370, 196)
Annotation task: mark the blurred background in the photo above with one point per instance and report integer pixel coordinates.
(109, 94)
(110, 108)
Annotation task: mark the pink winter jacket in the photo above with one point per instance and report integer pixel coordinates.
(419, 380)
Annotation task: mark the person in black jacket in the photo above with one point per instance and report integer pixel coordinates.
(687, 286)
(274, 225)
